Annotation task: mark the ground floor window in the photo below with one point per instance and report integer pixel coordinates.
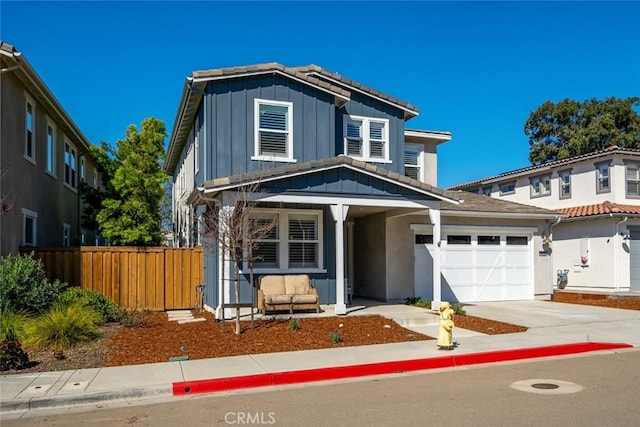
(66, 235)
(293, 243)
(29, 227)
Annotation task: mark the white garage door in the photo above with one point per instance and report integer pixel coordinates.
(481, 267)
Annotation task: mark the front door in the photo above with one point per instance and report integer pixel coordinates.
(423, 266)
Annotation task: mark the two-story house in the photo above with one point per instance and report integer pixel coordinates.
(597, 245)
(43, 158)
(351, 189)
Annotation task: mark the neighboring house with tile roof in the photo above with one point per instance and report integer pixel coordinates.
(44, 156)
(598, 241)
(353, 189)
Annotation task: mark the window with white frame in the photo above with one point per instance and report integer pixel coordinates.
(541, 186)
(51, 149)
(70, 167)
(273, 131)
(508, 188)
(196, 155)
(413, 161)
(66, 235)
(29, 227)
(632, 175)
(295, 243)
(30, 130)
(82, 170)
(564, 179)
(602, 178)
(366, 138)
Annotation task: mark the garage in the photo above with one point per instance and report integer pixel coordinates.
(488, 264)
(634, 252)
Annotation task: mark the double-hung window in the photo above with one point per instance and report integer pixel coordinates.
(603, 184)
(564, 179)
(541, 186)
(294, 243)
(633, 180)
(29, 227)
(30, 130)
(413, 161)
(70, 166)
(273, 131)
(51, 149)
(367, 138)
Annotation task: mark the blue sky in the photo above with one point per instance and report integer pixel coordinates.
(475, 69)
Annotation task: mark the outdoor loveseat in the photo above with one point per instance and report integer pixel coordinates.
(287, 292)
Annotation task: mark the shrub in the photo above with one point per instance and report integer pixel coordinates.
(418, 302)
(294, 325)
(63, 326)
(24, 287)
(411, 300)
(12, 325)
(12, 356)
(109, 310)
(134, 318)
(335, 337)
(458, 310)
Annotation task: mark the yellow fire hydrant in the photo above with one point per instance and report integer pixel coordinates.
(445, 332)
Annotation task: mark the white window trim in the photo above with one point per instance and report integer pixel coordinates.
(599, 177)
(256, 131)
(66, 235)
(540, 180)
(506, 193)
(33, 215)
(419, 149)
(83, 170)
(73, 148)
(51, 156)
(283, 247)
(29, 100)
(196, 147)
(366, 147)
(561, 175)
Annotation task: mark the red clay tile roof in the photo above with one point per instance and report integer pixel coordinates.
(605, 208)
(614, 149)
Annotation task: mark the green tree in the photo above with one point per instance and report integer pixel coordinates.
(569, 128)
(130, 212)
(105, 157)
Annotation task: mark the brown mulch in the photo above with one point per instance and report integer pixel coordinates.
(158, 339)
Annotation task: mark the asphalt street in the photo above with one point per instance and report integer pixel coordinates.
(586, 390)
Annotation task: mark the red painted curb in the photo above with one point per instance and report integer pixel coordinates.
(353, 371)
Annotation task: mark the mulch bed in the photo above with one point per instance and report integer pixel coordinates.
(627, 302)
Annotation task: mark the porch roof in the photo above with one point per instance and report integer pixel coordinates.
(474, 204)
(341, 161)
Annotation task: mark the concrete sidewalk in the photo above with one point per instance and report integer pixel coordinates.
(550, 325)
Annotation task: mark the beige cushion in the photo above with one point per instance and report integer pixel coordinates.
(296, 284)
(277, 299)
(304, 299)
(271, 285)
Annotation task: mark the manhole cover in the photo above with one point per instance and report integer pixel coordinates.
(545, 386)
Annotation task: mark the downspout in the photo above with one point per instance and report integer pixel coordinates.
(551, 269)
(615, 252)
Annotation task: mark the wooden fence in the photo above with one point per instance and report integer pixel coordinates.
(154, 278)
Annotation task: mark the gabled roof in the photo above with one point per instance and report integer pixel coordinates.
(409, 109)
(609, 151)
(266, 175)
(490, 206)
(601, 209)
(14, 62)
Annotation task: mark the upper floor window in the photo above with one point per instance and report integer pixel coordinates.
(486, 191)
(70, 167)
(273, 131)
(30, 131)
(196, 152)
(603, 184)
(541, 186)
(412, 161)
(51, 149)
(367, 138)
(294, 242)
(29, 227)
(564, 179)
(633, 180)
(82, 170)
(508, 188)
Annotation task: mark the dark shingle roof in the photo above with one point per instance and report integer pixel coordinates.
(614, 149)
(470, 202)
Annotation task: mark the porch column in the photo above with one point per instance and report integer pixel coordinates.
(339, 213)
(224, 270)
(434, 215)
